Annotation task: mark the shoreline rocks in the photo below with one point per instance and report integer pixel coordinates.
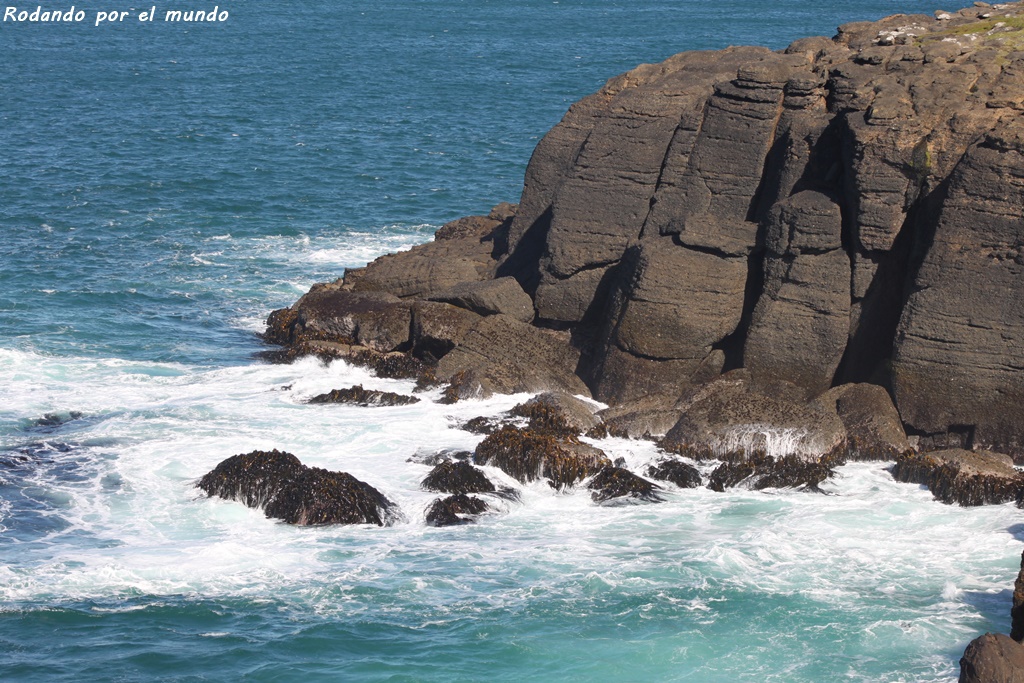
(285, 489)
(963, 477)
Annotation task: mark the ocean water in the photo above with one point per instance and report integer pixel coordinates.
(163, 187)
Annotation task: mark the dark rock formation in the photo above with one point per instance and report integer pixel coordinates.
(457, 477)
(873, 427)
(1017, 610)
(963, 477)
(529, 456)
(993, 658)
(318, 496)
(253, 478)
(455, 510)
(676, 471)
(845, 211)
(760, 471)
(364, 397)
(288, 490)
(616, 485)
(557, 413)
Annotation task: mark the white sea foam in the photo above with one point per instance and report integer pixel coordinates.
(138, 527)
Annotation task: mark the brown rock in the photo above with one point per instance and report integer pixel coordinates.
(964, 477)
(992, 658)
(873, 427)
(490, 297)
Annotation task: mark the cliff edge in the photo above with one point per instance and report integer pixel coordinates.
(847, 210)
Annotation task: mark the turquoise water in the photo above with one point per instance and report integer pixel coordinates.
(162, 188)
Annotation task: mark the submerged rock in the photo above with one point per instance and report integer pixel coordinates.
(369, 398)
(618, 485)
(993, 658)
(681, 474)
(286, 489)
(762, 471)
(964, 477)
(438, 457)
(455, 510)
(527, 456)
(457, 477)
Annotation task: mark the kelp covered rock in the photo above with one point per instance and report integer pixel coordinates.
(676, 471)
(287, 490)
(762, 471)
(253, 478)
(455, 510)
(318, 496)
(457, 477)
(368, 398)
(618, 485)
(528, 456)
(967, 478)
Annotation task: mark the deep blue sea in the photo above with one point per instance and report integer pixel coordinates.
(163, 187)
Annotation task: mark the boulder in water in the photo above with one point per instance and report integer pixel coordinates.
(457, 477)
(967, 478)
(368, 398)
(676, 471)
(528, 456)
(614, 485)
(455, 510)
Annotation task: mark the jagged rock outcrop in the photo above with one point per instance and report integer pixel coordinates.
(845, 211)
(963, 477)
(457, 477)
(287, 490)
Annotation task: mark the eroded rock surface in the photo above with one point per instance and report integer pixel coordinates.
(845, 211)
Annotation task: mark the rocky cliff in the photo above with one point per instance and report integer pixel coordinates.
(847, 210)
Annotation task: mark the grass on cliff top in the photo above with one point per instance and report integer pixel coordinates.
(1012, 27)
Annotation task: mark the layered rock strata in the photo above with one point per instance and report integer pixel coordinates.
(844, 211)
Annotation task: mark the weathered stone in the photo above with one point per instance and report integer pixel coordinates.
(557, 413)
(318, 496)
(376, 320)
(992, 658)
(1017, 610)
(503, 295)
(729, 422)
(509, 356)
(873, 427)
(253, 479)
(437, 328)
(288, 490)
(760, 471)
(957, 361)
